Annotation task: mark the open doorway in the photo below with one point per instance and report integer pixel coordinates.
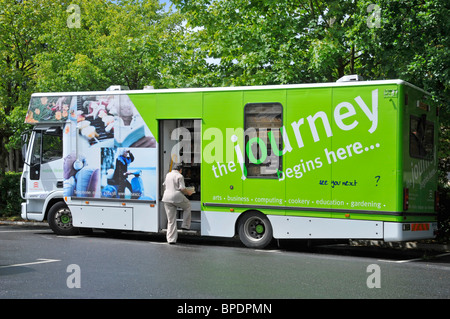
(180, 142)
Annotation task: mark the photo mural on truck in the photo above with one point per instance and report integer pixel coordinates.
(109, 153)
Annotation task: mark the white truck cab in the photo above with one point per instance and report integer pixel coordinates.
(42, 178)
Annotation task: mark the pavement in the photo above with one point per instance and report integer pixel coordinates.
(23, 223)
(425, 245)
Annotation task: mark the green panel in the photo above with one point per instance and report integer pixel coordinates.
(265, 191)
(179, 105)
(364, 156)
(346, 148)
(145, 103)
(221, 172)
(420, 173)
(265, 96)
(305, 167)
(341, 151)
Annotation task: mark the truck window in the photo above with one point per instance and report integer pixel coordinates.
(421, 137)
(36, 151)
(262, 120)
(47, 147)
(51, 147)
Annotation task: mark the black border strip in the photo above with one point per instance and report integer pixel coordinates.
(333, 210)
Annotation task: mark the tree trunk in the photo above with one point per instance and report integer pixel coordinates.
(18, 160)
(2, 155)
(352, 60)
(10, 160)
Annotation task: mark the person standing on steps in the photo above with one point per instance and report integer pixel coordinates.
(174, 197)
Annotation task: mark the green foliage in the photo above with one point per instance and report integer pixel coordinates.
(17, 126)
(116, 43)
(443, 215)
(17, 48)
(277, 42)
(10, 200)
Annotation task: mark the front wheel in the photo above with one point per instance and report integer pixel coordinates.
(60, 220)
(255, 230)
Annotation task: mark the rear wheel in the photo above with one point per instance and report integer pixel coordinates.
(60, 220)
(255, 230)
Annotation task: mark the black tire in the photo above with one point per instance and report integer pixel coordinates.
(60, 220)
(255, 230)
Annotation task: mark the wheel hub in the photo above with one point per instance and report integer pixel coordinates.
(63, 219)
(259, 229)
(255, 229)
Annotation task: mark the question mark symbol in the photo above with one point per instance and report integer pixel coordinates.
(378, 179)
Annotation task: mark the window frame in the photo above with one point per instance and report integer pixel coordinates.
(268, 144)
(40, 141)
(46, 148)
(414, 142)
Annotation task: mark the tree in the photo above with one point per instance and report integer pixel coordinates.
(265, 41)
(413, 44)
(19, 29)
(49, 46)
(115, 43)
(268, 42)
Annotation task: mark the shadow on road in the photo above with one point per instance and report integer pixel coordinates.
(333, 247)
(336, 247)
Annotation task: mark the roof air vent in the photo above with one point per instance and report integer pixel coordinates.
(117, 88)
(351, 78)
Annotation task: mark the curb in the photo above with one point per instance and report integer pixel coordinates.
(23, 223)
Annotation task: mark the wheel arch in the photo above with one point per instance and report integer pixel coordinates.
(51, 200)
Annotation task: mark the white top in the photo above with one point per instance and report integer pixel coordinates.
(235, 88)
(174, 183)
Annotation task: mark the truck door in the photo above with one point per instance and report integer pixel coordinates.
(45, 169)
(180, 141)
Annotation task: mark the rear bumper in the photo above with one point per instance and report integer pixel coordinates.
(409, 231)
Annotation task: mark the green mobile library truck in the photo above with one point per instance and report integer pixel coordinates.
(354, 160)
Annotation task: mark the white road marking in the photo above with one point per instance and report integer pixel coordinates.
(400, 261)
(70, 237)
(41, 261)
(411, 260)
